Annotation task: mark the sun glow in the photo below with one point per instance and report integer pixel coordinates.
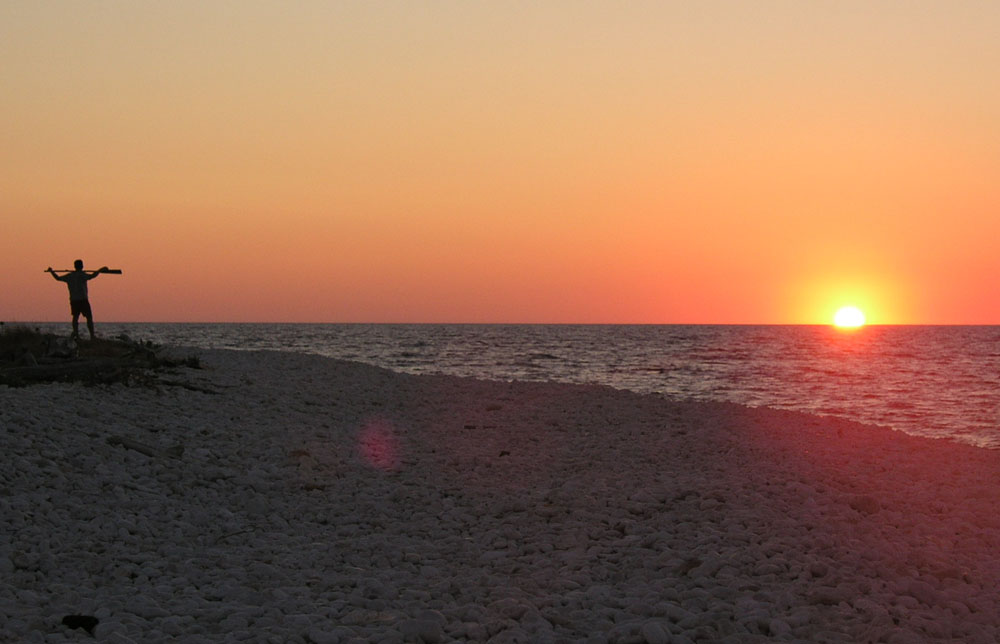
(849, 317)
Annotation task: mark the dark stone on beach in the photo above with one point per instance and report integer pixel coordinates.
(830, 596)
(654, 633)
(427, 631)
(924, 593)
(865, 504)
(687, 566)
(86, 622)
(818, 569)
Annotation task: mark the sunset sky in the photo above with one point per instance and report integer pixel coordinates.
(647, 162)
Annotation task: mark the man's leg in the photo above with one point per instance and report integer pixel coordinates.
(84, 308)
(76, 324)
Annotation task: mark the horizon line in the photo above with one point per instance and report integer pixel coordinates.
(426, 323)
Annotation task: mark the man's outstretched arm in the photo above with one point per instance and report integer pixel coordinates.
(91, 276)
(53, 274)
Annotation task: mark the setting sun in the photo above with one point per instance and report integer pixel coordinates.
(849, 317)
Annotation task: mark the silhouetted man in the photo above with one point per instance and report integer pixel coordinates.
(79, 303)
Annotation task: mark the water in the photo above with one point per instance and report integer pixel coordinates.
(925, 380)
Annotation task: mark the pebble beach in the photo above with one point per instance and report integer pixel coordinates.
(279, 497)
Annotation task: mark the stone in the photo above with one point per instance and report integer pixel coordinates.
(428, 631)
(829, 596)
(902, 636)
(818, 569)
(654, 633)
(924, 592)
(107, 628)
(319, 636)
(778, 628)
(84, 622)
(864, 504)
(674, 612)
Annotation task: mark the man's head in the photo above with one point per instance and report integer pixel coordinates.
(78, 264)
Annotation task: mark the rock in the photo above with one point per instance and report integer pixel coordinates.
(317, 636)
(674, 612)
(147, 609)
(902, 636)
(433, 615)
(428, 631)
(864, 504)
(709, 567)
(118, 637)
(174, 625)
(828, 596)
(512, 635)
(85, 622)
(923, 592)
(778, 628)
(510, 608)
(654, 633)
(299, 621)
(475, 632)
(108, 628)
(818, 569)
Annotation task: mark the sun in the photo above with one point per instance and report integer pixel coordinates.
(849, 317)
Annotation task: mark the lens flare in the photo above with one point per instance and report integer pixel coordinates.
(378, 446)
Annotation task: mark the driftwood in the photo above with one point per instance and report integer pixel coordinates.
(171, 452)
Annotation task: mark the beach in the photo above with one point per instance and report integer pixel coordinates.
(279, 497)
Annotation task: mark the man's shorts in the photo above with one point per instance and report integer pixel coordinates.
(80, 307)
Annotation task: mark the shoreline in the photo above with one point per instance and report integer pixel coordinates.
(925, 381)
(319, 500)
(921, 380)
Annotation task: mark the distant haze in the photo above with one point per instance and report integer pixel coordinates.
(660, 162)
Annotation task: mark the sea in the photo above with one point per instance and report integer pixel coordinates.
(939, 381)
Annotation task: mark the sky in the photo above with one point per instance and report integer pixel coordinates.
(463, 161)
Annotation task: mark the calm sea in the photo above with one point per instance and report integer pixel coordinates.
(927, 380)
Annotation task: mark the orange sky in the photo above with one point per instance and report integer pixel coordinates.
(651, 162)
